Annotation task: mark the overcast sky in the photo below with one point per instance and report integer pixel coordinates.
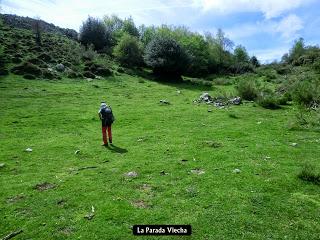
(267, 28)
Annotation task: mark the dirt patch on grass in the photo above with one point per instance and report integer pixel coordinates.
(140, 204)
(15, 199)
(44, 186)
(67, 231)
(212, 144)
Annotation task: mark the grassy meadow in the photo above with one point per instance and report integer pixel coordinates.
(184, 154)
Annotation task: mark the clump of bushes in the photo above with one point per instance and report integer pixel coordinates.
(247, 89)
(129, 51)
(308, 173)
(306, 92)
(166, 57)
(269, 101)
(27, 68)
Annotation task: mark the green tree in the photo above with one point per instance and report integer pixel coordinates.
(166, 57)
(297, 50)
(93, 31)
(128, 51)
(254, 61)
(241, 54)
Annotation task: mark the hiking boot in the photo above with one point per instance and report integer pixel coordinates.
(110, 141)
(104, 144)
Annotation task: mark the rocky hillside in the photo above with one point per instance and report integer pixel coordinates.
(28, 23)
(55, 56)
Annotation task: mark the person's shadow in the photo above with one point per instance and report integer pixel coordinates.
(116, 149)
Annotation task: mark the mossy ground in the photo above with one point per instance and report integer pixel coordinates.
(266, 200)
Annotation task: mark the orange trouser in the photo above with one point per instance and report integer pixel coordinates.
(104, 134)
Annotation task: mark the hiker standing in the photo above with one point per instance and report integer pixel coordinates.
(107, 118)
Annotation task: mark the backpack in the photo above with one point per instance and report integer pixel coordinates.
(107, 116)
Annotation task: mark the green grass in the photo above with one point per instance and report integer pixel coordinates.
(266, 200)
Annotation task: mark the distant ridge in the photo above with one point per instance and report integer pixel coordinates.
(27, 23)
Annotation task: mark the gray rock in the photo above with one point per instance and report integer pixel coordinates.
(60, 67)
(164, 101)
(235, 101)
(77, 151)
(236, 170)
(131, 174)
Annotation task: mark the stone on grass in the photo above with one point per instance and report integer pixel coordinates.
(163, 101)
(197, 171)
(131, 174)
(29, 150)
(293, 144)
(77, 151)
(2, 165)
(237, 170)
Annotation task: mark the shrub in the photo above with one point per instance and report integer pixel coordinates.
(128, 51)
(88, 74)
(309, 174)
(166, 57)
(88, 54)
(306, 92)
(247, 89)
(29, 76)
(26, 67)
(93, 31)
(269, 101)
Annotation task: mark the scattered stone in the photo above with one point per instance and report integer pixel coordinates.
(77, 151)
(235, 101)
(139, 204)
(131, 174)
(15, 199)
(219, 102)
(164, 102)
(90, 215)
(259, 122)
(12, 234)
(44, 186)
(61, 202)
(209, 110)
(60, 67)
(29, 150)
(267, 158)
(140, 140)
(162, 173)
(2, 165)
(178, 91)
(197, 171)
(293, 144)
(236, 170)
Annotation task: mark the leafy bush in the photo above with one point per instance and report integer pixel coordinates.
(166, 57)
(247, 89)
(269, 101)
(25, 68)
(307, 92)
(88, 53)
(93, 31)
(3, 69)
(309, 174)
(128, 51)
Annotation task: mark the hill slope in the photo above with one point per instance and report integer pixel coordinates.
(183, 154)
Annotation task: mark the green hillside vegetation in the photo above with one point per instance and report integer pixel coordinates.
(247, 171)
